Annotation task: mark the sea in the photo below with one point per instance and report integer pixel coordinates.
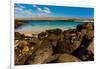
(46, 25)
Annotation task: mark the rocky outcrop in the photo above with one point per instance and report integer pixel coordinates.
(55, 46)
(66, 46)
(42, 35)
(67, 58)
(18, 23)
(54, 34)
(42, 53)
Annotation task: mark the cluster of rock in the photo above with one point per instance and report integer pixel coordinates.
(55, 46)
(18, 23)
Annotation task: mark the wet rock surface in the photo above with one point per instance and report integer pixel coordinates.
(55, 46)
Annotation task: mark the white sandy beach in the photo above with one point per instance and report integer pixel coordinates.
(37, 30)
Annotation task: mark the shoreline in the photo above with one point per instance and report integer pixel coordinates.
(76, 42)
(36, 32)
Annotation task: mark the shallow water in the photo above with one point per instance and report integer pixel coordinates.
(44, 25)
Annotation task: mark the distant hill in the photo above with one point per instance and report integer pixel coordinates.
(57, 18)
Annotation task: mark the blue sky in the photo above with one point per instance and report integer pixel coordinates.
(31, 10)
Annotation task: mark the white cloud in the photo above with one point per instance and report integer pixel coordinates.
(46, 10)
(18, 9)
(39, 9)
(43, 12)
(22, 6)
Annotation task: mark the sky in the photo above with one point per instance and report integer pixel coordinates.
(33, 10)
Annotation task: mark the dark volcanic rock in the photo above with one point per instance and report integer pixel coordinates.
(66, 46)
(54, 31)
(69, 33)
(18, 36)
(34, 41)
(83, 46)
(42, 53)
(24, 48)
(42, 35)
(18, 23)
(91, 47)
(55, 46)
(54, 34)
(85, 26)
(21, 52)
(20, 60)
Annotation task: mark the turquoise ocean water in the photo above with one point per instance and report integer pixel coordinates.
(45, 25)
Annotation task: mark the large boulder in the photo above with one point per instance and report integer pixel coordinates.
(42, 35)
(18, 23)
(21, 53)
(34, 41)
(20, 59)
(54, 31)
(54, 34)
(91, 47)
(83, 32)
(70, 33)
(18, 36)
(90, 34)
(67, 58)
(88, 26)
(23, 50)
(66, 46)
(42, 53)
